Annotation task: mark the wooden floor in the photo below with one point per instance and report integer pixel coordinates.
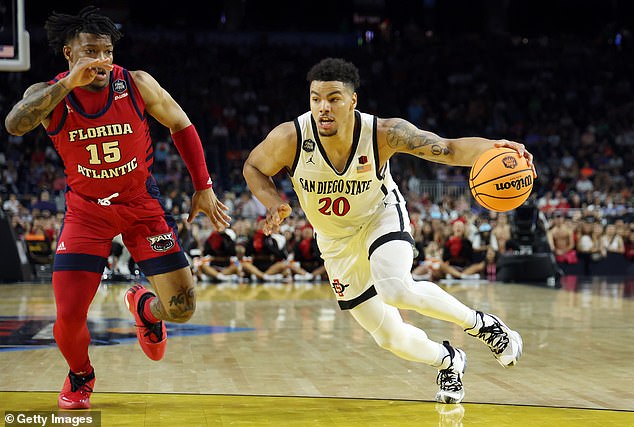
(284, 354)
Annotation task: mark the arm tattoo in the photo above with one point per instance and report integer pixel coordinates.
(404, 135)
(37, 106)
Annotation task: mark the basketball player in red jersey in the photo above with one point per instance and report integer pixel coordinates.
(96, 115)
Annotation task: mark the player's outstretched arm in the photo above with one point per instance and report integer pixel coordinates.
(271, 156)
(400, 136)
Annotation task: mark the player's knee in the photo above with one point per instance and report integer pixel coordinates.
(388, 340)
(385, 342)
(69, 316)
(391, 272)
(392, 291)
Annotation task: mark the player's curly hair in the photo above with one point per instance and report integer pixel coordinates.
(335, 69)
(62, 28)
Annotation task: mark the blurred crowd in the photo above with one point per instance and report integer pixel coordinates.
(569, 101)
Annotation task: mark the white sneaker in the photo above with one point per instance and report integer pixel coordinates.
(273, 277)
(505, 343)
(475, 276)
(303, 277)
(223, 277)
(450, 376)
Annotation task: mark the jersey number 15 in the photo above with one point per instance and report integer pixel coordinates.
(110, 150)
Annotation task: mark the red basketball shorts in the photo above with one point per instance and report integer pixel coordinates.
(148, 232)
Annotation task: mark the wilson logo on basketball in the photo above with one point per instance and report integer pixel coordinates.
(162, 242)
(509, 162)
(517, 184)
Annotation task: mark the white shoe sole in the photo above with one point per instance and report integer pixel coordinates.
(515, 341)
(447, 397)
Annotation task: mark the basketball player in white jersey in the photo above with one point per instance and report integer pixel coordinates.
(338, 161)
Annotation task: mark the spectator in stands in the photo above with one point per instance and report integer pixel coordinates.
(12, 204)
(265, 250)
(611, 242)
(430, 266)
(308, 256)
(584, 185)
(458, 251)
(44, 203)
(561, 239)
(220, 246)
(588, 242)
(486, 269)
(482, 241)
(502, 231)
(427, 232)
(598, 250)
(249, 207)
(239, 267)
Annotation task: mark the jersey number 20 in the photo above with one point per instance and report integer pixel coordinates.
(339, 206)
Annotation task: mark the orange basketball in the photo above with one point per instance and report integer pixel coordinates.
(501, 180)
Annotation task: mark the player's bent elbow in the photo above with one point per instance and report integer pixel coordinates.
(12, 128)
(247, 169)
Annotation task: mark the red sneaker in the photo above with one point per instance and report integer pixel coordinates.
(152, 336)
(76, 391)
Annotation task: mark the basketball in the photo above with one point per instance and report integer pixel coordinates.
(500, 180)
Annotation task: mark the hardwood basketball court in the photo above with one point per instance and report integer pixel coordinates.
(284, 354)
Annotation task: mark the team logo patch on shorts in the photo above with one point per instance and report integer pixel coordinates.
(338, 287)
(162, 242)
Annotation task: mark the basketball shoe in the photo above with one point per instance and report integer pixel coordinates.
(505, 343)
(152, 336)
(76, 391)
(450, 375)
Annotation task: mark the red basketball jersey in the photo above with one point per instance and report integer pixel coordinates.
(103, 139)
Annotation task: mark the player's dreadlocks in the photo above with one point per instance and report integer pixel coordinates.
(62, 28)
(335, 69)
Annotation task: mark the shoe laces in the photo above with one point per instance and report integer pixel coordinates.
(80, 383)
(494, 336)
(154, 331)
(449, 379)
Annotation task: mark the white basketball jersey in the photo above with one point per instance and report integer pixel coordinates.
(338, 204)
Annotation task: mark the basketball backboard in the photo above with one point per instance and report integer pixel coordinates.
(14, 39)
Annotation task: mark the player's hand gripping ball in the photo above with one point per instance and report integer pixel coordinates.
(501, 180)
